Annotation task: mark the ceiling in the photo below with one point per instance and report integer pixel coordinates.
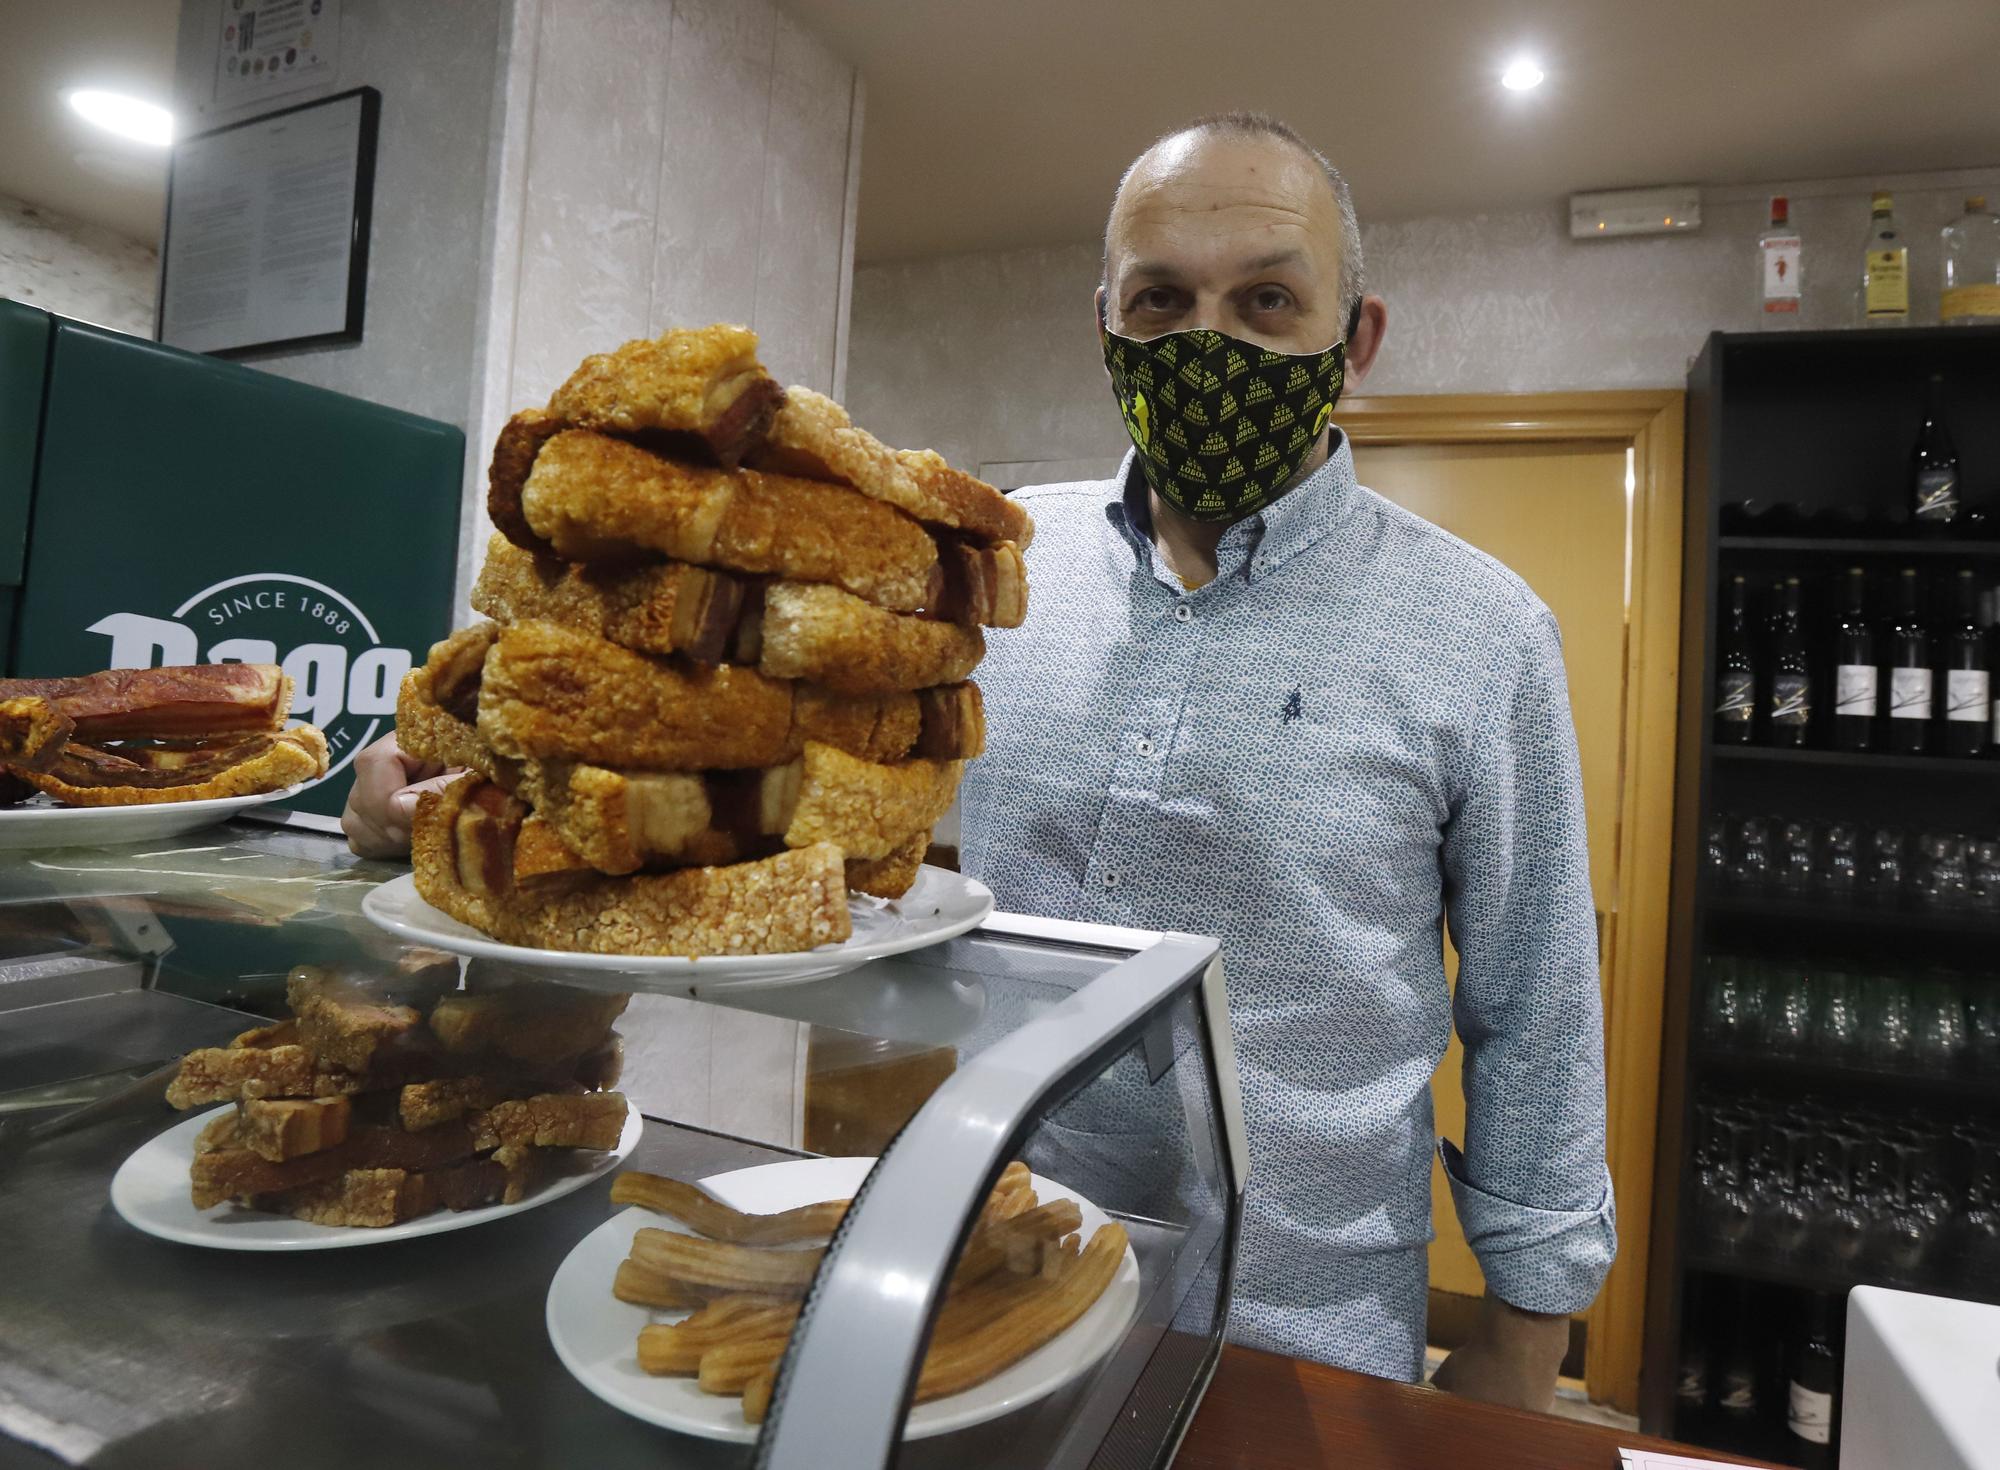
(51, 157)
(994, 125)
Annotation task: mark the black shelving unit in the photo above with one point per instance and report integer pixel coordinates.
(1825, 421)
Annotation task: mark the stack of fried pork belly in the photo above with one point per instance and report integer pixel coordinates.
(726, 676)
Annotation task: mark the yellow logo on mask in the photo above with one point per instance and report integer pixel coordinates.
(1138, 418)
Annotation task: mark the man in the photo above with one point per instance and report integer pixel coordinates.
(1256, 700)
(1263, 703)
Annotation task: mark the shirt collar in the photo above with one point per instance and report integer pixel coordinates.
(1275, 534)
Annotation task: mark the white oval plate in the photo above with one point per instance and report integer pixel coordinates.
(940, 905)
(597, 1336)
(39, 822)
(150, 1190)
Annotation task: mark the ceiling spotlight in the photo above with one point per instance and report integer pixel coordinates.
(128, 117)
(1521, 75)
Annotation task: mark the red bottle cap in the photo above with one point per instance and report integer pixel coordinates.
(1781, 209)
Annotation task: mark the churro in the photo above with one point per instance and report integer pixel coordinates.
(719, 1266)
(702, 1212)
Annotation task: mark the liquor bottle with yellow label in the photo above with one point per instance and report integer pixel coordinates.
(1971, 264)
(1885, 268)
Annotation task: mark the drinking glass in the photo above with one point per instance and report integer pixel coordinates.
(1979, 1225)
(1750, 866)
(1838, 1026)
(1840, 1218)
(1796, 868)
(1785, 1210)
(1715, 849)
(1891, 1024)
(1728, 1213)
(1788, 1019)
(1888, 866)
(1983, 871)
(1982, 1017)
(1942, 881)
(1722, 1017)
(1939, 1040)
(1840, 864)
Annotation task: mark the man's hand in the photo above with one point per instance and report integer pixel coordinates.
(1512, 1358)
(384, 798)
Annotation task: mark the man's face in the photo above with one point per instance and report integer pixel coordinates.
(1236, 234)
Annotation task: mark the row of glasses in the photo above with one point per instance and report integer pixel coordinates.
(1858, 1194)
(1843, 861)
(1930, 1022)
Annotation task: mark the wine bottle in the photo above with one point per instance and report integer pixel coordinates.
(1967, 684)
(1736, 672)
(1691, 1373)
(1737, 1408)
(1791, 674)
(1934, 497)
(1909, 672)
(1857, 693)
(1814, 1383)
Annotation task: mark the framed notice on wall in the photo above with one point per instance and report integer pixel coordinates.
(267, 229)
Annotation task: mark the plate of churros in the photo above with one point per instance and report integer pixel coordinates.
(940, 905)
(678, 1309)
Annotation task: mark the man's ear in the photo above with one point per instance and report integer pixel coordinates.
(1371, 325)
(1098, 300)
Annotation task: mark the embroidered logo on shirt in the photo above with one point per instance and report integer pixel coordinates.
(1294, 708)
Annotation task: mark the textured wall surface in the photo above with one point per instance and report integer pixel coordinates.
(663, 165)
(993, 358)
(434, 66)
(76, 268)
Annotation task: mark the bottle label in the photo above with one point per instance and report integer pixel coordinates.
(1909, 694)
(1966, 694)
(1937, 496)
(1889, 282)
(1960, 302)
(1735, 698)
(1781, 272)
(1791, 699)
(1811, 1415)
(1739, 1394)
(1996, 722)
(1855, 690)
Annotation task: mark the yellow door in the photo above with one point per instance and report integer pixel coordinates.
(1563, 510)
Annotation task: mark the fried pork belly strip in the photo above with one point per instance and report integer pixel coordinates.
(891, 876)
(33, 732)
(557, 694)
(788, 630)
(812, 436)
(980, 584)
(709, 616)
(514, 451)
(833, 639)
(462, 850)
(703, 382)
(85, 776)
(193, 701)
(595, 498)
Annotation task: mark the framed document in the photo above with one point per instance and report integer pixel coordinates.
(267, 229)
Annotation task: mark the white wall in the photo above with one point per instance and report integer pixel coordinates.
(76, 268)
(993, 358)
(435, 65)
(663, 165)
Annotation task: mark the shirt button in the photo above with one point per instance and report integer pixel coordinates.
(1258, 564)
(1183, 613)
(1112, 878)
(1145, 746)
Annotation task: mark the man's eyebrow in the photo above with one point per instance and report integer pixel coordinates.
(1162, 270)
(1293, 256)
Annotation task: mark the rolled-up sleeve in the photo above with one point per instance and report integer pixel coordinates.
(1530, 1184)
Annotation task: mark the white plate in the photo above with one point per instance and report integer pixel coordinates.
(940, 905)
(39, 822)
(597, 1336)
(150, 1191)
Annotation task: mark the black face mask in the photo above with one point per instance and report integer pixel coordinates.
(1221, 425)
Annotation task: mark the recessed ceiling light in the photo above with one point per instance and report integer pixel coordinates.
(128, 117)
(1521, 75)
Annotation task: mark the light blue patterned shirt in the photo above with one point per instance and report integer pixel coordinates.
(1360, 725)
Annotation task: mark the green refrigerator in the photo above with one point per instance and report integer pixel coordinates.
(162, 507)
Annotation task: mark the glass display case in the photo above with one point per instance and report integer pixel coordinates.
(1098, 1057)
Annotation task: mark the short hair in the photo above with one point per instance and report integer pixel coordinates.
(1246, 124)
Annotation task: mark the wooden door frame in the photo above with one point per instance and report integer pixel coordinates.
(1652, 423)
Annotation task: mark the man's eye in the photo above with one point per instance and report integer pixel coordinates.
(1156, 298)
(1271, 298)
